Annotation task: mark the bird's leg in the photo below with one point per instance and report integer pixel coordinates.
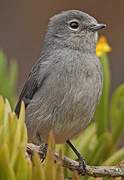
(82, 163)
(43, 147)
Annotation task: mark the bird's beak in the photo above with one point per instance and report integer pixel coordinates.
(97, 27)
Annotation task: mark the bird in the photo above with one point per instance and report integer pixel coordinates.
(64, 85)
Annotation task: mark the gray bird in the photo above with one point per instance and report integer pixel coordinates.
(65, 84)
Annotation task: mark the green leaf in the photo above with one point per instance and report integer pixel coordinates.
(117, 114)
(8, 78)
(101, 150)
(5, 121)
(21, 165)
(38, 170)
(29, 171)
(2, 106)
(59, 172)
(116, 158)
(22, 124)
(14, 142)
(50, 166)
(12, 81)
(102, 113)
(3, 69)
(6, 171)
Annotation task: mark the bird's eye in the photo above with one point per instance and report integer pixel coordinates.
(74, 25)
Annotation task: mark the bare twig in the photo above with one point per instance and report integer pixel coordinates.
(95, 171)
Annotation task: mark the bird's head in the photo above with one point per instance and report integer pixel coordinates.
(74, 29)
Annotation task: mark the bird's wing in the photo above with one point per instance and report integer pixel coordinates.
(32, 84)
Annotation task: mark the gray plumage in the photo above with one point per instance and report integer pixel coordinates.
(65, 84)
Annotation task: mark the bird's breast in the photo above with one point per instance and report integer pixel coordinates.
(67, 100)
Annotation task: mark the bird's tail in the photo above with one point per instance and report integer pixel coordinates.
(17, 108)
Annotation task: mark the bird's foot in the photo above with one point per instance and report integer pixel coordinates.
(82, 165)
(43, 149)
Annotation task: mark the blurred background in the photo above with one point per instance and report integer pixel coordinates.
(23, 24)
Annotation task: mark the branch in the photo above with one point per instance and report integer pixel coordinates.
(95, 171)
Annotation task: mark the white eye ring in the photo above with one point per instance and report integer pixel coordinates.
(74, 24)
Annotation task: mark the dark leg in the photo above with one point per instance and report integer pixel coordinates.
(82, 163)
(43, 147)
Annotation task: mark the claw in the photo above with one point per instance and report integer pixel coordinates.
(43, 148)
(82, 166)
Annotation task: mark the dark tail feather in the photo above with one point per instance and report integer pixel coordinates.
(17, 108)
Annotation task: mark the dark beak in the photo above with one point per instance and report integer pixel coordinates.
(97, 27)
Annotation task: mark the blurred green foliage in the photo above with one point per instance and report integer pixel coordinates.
(14, 165)
(8, 76)
(99, 143)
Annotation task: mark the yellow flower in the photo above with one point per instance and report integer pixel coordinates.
(102, 46)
